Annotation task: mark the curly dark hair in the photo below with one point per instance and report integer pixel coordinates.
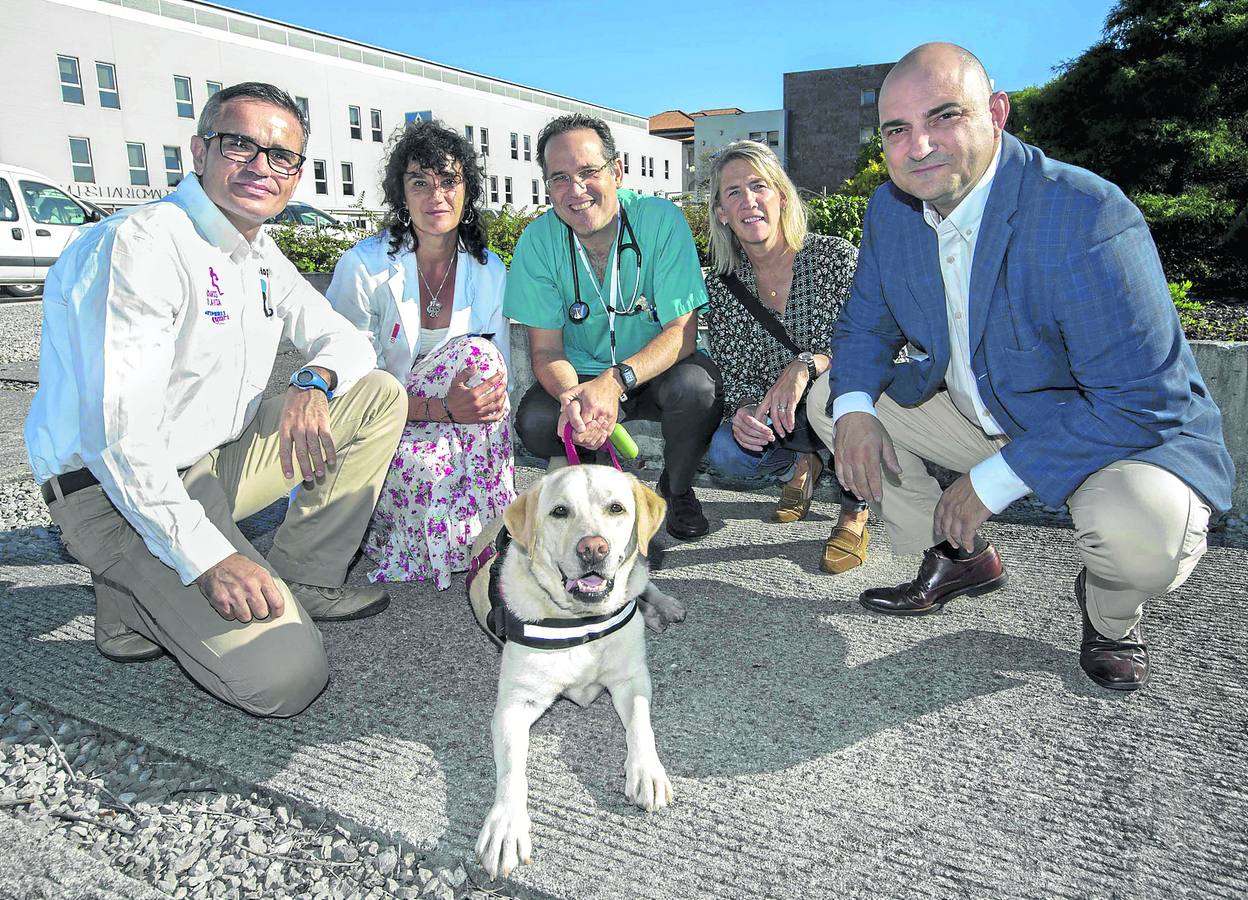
(429, 145)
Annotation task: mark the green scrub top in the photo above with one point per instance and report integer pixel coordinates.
(539, 282)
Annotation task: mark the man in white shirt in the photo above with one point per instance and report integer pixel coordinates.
(1044, 356)
(150, 438)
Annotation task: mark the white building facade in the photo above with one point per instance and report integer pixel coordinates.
(111, 91)
(711, 133)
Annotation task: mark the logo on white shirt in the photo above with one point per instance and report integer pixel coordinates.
(213, 299)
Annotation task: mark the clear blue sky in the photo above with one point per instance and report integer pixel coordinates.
(645, 57)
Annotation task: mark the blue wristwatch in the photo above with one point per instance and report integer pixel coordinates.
(306, 379)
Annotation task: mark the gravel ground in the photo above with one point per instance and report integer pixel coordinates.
(20, 328)
(190, 832)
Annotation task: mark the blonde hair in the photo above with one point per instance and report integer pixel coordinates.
(725, 248)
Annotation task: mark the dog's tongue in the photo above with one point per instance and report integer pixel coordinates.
(590, 583)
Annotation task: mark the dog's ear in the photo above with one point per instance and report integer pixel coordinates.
(521, 516)
(650, 510)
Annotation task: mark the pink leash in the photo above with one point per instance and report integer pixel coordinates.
(570, 449)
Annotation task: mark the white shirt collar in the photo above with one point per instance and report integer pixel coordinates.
(212, 224)
(966, 215)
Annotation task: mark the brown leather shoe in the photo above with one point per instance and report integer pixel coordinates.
(1119, 665)
(940, 579)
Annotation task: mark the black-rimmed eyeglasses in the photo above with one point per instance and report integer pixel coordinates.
(240, 148)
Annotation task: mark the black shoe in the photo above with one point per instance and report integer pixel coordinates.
(685, 520)
(1119, 665)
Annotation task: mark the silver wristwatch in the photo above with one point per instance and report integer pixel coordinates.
(809, 358)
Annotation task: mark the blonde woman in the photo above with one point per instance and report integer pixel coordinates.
(768, 266)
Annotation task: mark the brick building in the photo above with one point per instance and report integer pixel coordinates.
(831, 114)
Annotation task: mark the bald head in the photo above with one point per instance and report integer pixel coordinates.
(947, 60)
(940, 123)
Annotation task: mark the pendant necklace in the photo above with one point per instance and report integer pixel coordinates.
(434, 307)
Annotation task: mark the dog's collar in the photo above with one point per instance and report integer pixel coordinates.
(560, 634)
(546, 634)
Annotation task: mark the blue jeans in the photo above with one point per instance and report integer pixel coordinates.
(733, 463)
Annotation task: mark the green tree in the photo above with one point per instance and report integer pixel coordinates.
(871, 172)
(1159, 106)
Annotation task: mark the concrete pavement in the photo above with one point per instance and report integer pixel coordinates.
(816, 750)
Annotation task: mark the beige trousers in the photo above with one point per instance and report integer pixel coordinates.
(1139, 529)
(273, 667)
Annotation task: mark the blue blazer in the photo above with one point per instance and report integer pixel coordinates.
(1075, 342)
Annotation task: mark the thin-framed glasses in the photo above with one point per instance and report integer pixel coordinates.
(563, 180)
(240, 148)
(423, 185)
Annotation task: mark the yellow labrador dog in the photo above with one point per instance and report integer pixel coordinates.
(564, 605)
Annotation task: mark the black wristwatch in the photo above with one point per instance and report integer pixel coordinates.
(809, 358)
(628, 376)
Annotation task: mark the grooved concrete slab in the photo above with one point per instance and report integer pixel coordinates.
(816, 750)
(43, 867)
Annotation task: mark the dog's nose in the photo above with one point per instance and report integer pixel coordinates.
(592, 549)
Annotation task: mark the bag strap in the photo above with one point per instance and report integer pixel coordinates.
(755, 307)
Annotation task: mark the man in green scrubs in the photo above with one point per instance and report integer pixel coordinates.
(609, 285)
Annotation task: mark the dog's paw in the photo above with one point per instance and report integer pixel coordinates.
(504, 841)
(659, 609)
(646, 784)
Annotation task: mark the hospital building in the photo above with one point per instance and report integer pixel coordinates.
(110, 90)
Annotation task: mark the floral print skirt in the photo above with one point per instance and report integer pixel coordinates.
(445, 481)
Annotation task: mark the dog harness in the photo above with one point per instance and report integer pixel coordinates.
(502, 625)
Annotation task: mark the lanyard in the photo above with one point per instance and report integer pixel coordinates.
(613, 289)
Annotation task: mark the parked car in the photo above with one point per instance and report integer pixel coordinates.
(37, 220)
(302, 214)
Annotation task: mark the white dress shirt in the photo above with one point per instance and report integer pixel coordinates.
(994, 481)
(160, 329)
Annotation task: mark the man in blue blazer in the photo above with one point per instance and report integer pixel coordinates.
(1043, 355)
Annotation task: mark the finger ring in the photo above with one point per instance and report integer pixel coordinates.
(783, 407)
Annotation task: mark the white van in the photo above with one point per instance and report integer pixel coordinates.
(37, 220)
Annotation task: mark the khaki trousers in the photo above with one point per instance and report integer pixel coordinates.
(1139, 529)
(271, 667)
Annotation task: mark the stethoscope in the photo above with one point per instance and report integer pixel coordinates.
(579, 310)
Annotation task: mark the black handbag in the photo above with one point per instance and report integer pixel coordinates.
(803, 437)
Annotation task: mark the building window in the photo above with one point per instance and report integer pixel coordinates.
(515, 145)
(773, 139)
(348, 180)
(353, 118)
(507, 189)
(302, 103)
(535, 194)
(213, 87)
(71, 80)
(528, 149)
(868, 98)
(173, 166)
(485, 141)
(493, 188)
(137, 155)
(106, 77)
(468, 133)
(320, 174)
(546, 194)
(667, 170)
(374, 117)
(80, 156)
(625, 163)
(756, 137)
(865, 134)
(182, 97)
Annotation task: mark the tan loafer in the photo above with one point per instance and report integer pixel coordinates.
(340, 604)
(794, 502)
(844, 550)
